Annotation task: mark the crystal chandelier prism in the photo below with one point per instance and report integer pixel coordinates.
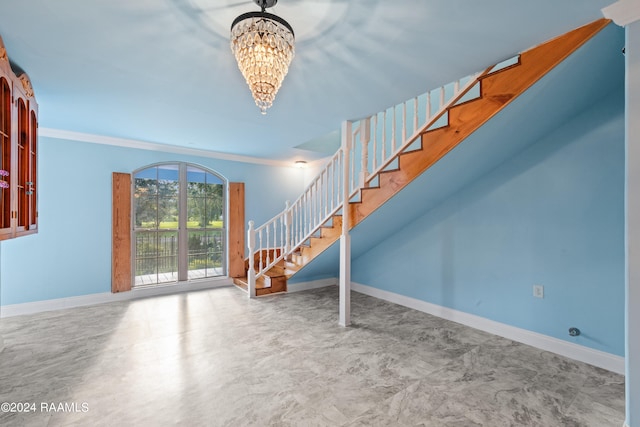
(263, 45)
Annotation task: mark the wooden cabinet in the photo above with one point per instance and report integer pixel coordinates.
(18, 151)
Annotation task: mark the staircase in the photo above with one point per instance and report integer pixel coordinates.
(383, 153)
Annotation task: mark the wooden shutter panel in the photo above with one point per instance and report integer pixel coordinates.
(121, 233)
(236, 229)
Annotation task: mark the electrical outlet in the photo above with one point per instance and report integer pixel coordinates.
(538, 291)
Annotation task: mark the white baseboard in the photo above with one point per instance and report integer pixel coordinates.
(313, 284)
(106, 297)
(574, 351)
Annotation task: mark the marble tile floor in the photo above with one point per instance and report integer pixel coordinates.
(215, 358)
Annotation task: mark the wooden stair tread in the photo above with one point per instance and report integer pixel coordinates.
(261, 286)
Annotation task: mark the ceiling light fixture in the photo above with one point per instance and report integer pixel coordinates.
(263, 45)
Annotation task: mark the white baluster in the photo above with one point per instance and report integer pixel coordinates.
(352, 156)
(303, 215)
(251, 273)
(319, 202)
(274, 247)
(441, 97)
(332, 165)
(367, 138)
(288, 217)
(415, 114)
(299, 215)
(364, 167)
(404, 122)
(298, 220)
(321, 191)
(393, 130)
(275, 241)
(310, 210)
(282, 244)
(268, 257)
(456, 87)
(315, 203)
(383, 149)
(325, 193)
(294, 225)
(340, 178)
(428, 107)
(306, 212)
(320, 196)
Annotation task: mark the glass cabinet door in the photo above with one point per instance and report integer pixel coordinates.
(32, 210)
(22, 173)
(5, 157)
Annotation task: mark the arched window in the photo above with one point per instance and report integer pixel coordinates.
(179, 224)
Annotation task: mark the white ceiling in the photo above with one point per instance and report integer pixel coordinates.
(162, 70)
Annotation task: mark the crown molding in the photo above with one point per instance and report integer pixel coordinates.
(154, 146)
(623, 12)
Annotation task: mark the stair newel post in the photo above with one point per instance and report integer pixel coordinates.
(345, 238)
(251, 274)
(365, 137)
(288, 220)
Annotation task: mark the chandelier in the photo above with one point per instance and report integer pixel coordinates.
(263, 45)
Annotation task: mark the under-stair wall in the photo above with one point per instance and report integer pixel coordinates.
(552, 215)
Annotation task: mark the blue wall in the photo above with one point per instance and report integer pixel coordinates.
(71, 254)
(552, 215)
